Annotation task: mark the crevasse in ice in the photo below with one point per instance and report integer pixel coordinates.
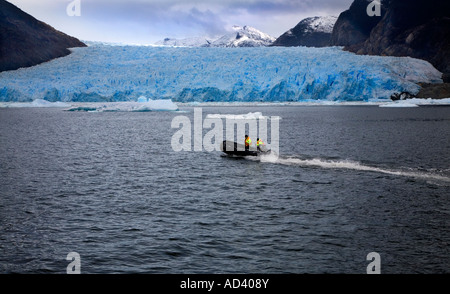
(270, 74)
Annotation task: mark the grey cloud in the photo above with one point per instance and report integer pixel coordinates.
(155, 13)
(286, 6)
(177, 18)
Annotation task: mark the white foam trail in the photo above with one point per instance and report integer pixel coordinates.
(250, 115)
(352, 165)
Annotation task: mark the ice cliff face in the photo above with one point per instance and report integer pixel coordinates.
(186, 42)
(124, 73)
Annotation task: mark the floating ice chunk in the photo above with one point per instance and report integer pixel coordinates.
(142, 99)
(393, 104)
(429, 101)
(161, 104)
(45, 103)
(416, 102)
(150, 105)
(35, 103)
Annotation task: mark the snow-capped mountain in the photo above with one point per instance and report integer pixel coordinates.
(239, 37)
(243, 37)
(319, 24)
(310, 32)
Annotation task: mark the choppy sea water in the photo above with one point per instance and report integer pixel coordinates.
(349, 180)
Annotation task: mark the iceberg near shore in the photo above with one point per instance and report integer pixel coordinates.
(142, 105)
(36, 103)
(416, 102)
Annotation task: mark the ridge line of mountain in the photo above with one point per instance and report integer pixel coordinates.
(26, 41)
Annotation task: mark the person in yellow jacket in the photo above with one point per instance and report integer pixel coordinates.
(259, 143)
(248, 142)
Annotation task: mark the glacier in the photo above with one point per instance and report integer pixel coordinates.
(102, 73)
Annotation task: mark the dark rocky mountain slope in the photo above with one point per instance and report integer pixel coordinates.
(415, 28)
(26, 41)
(310, 32)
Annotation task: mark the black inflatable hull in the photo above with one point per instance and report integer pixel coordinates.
(235, 149)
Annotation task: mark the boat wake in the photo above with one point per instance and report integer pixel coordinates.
(352, 165)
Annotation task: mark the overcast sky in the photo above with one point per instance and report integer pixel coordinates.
(147, 21)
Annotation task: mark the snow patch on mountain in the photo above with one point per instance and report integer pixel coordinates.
(238, 37)
(310, 32)
(243, 37)
(323, 24)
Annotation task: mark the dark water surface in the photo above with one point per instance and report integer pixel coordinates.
(349, 180)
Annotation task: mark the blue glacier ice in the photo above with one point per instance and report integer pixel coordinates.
(270, 74)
